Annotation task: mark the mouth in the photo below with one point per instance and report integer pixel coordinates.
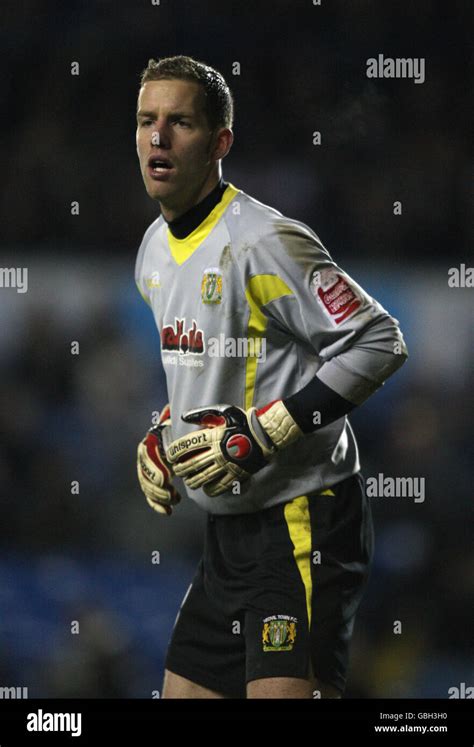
(159, 166)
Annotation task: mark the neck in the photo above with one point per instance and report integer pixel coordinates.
(171, 213)
(188, 221)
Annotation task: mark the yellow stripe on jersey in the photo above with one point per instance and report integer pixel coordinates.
(261, 289)
(182, 249)
(299, 527)
(327, 492)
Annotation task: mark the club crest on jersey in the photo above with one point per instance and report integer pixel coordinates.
(153, 281)
(279, 633)
(176, 338)
(335, 295)
(211, 286)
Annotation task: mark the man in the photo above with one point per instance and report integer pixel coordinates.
(267, 345)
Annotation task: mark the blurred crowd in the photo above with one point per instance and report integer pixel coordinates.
(79, 540)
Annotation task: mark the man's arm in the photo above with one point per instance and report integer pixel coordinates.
(358, 343)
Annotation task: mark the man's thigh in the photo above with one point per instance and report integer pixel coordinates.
(291, 687)
(176, 686)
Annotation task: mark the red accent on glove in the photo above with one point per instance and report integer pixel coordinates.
(165, 415)
(212, 421)
(151, 443)
(267, 407)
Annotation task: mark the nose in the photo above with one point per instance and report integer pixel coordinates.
(160, 135)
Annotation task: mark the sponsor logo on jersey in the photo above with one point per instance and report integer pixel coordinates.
(279, 633)
(335, 295)
(174, 337)
(153, 281)
(211, 286)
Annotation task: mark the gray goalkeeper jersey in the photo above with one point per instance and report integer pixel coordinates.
(250, 307)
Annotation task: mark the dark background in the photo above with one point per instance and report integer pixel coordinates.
(87, 557)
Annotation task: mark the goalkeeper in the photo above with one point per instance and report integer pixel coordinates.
(261, 438)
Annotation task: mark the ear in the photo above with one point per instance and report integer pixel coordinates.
(222, 139)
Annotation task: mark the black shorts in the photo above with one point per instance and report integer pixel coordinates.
(275, 592)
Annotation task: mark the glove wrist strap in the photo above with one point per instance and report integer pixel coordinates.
(259, 433)
(278, 424)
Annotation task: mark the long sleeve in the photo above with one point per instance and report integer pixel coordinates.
(358, 343)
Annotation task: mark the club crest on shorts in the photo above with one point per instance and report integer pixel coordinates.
(211, 286)
(279, 633)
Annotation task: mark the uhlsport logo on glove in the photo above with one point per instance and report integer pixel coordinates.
(151, 474)
(183, 444)
(230, 446)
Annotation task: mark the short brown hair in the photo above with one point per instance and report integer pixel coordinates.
(219, 103)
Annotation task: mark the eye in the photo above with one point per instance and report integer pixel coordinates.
(146, 122)
(182, 122)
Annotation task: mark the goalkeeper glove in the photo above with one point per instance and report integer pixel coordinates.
(154, 473)
(233, 445)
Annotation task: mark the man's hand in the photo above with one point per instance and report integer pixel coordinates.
(232, 446)
(154, 473)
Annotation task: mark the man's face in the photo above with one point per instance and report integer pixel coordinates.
(172, 125)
